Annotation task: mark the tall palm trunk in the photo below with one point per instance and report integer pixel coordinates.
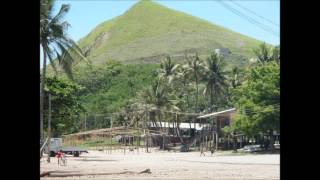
(234, 138)
(44, 67)
(271, 144)
(188, 105)
(211, 97)
(196, 108)
(178, 129)
(159, 119)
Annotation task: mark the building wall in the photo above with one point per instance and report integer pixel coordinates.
(224, 121)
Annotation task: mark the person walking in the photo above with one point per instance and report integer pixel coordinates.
(202, 151)
(212, 149)
(61, 157)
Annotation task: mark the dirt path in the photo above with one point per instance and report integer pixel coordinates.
(169, 165)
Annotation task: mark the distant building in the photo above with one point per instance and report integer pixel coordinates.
(253, 60)
(222, 51)
(224, 118)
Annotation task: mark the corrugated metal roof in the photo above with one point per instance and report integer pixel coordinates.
(217, 113)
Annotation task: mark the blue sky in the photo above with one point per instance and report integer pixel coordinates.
(84, 15)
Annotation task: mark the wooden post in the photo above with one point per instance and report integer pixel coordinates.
(213, 133)
(174, 139)
(138, 143)
(206, 143)
(147, 141)
(209, 141)
(85, 122)
(163, 141)
(129, 139)
(49, 129)
(125, 143)
(111, 134)
(217, 134)
(144, 139)
(234, 142)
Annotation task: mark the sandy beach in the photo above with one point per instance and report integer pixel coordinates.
(168, 165)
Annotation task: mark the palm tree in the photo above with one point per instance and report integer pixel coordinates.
(157, 99)
(167, 70)
(266, 54)
(215, 78)
(183, 89)
(276, 54)
(167, 73)
(194, 67)
(235, 79)
(55, 44)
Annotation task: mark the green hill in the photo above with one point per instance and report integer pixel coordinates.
(148, 31)
(139, 39)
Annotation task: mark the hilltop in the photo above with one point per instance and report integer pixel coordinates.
(148, 31)
(139, 39)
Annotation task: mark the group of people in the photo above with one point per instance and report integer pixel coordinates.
(212, 149)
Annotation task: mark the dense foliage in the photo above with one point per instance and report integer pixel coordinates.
(110, 86)
(147, 92)
(65, 105)
(258, 97)
(258, 100)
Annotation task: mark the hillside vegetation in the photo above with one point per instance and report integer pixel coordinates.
(126, 51)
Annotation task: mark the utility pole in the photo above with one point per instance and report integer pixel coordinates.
(49, 129)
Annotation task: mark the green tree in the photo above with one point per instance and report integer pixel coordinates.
(215, 78)
(235, 78)
(55, 44)
(194, 68)
(167, 70)
(267, 54)
(258, 101)
(66, 106)
(157, 98)
(276, 54)
(183, 89)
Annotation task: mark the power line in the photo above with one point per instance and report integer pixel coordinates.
(264, 106)
(262, 110)
(252, 112)
(248, 18)
(248, 10)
